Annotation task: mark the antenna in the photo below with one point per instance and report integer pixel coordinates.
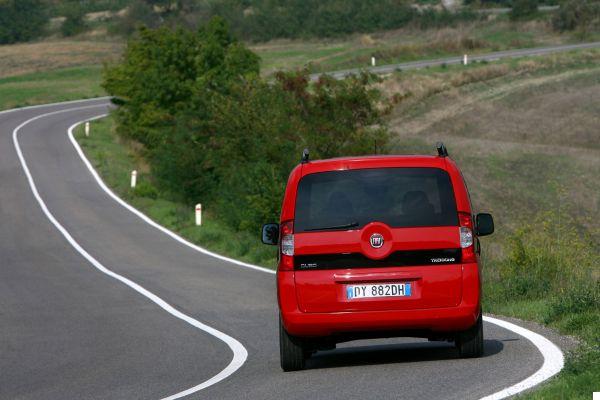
(441, 149)
(305, 156)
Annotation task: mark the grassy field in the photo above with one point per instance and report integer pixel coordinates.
(52, 86)
(495, 34)
(524, 133)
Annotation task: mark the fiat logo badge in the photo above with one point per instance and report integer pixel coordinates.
(376, 240)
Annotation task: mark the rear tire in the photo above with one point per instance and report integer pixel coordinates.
(291, 351)
(470, 342)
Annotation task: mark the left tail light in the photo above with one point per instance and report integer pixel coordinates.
(286, 261)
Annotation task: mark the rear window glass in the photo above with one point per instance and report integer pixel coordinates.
(399, 197)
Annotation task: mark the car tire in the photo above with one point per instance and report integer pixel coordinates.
(470, 342)
(291, 351)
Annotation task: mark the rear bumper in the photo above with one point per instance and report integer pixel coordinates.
(438, 320)
(420, 321)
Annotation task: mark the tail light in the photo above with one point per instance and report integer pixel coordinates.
(286, 261)
(466, 237)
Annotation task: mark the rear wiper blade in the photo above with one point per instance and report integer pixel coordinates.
(326, 228)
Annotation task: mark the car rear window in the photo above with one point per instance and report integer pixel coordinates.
(399, 197)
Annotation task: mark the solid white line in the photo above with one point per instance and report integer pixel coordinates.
(239, 351)
(147, 219)
(553, 356)
(553, 360)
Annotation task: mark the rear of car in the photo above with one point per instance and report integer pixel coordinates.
(377, 247)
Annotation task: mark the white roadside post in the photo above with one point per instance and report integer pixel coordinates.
(198, 214)
(465, 60)
(133, 178)
(373, 61)
(87, 128)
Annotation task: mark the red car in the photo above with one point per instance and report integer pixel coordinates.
(379, 246)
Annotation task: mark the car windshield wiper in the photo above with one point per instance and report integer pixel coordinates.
(326, 228)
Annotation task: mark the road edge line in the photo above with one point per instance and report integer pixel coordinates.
(240, 354)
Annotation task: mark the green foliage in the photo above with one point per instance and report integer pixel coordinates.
(549, 257)
(74, 20)
(22, 20)
(522, 9)
(215, 132)
(583, 15)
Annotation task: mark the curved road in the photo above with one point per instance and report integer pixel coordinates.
(69, 331)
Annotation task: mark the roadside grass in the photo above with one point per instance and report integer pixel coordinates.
(49, 87)
(114, 159)
(524, 133)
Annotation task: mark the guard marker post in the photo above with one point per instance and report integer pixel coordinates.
(373, 61)
(87, 128)
(133, 178)
(465, 60)
(198, 214)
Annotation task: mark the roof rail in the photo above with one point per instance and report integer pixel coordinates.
(441, 149)
(305, 156)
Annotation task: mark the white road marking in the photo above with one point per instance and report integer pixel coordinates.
(553, 356)
(553, 359)
(239, 351)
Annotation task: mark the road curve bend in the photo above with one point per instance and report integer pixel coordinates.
(96, 302)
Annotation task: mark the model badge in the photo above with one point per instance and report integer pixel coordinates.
(376, 240)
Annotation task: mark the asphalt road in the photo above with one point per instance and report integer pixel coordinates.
(388, 69)
(69, 331)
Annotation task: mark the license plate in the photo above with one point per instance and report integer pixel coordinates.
(378, 290)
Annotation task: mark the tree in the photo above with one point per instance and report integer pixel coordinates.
(22, 20)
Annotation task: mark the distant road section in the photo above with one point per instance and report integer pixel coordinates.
(387, 69)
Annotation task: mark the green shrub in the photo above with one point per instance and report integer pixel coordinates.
(545, 258)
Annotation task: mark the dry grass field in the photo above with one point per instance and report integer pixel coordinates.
(525, 132)
(25, 58)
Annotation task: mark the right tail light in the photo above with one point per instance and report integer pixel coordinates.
(466, 238)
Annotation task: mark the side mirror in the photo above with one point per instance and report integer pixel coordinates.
(270, 233)
(484, 224)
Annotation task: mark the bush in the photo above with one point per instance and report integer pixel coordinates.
(217, 133)
(547, 259)
(22, 20)
(523, 9)
(578, 297)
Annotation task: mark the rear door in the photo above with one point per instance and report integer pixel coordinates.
(359, 229)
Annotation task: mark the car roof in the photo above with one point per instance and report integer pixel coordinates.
(378, 161)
